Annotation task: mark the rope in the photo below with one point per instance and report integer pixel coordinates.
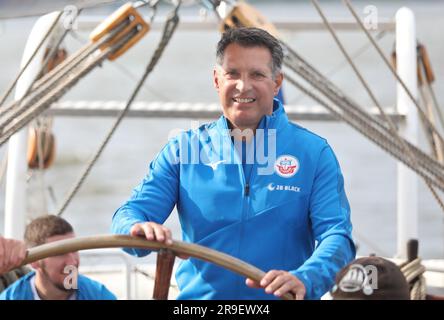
(329, 74)
(414, 273)
(129, 74)
(372, 124)
(431, 103)
(434, 144)
(363, 117)
(47, 34)
(26, 115)
(3, 166)
(48, 89)
(169, 28)
(392, 70)
(47, 82)
(435, 102)
(392, 127)
(31, 92)
(50, 55)
(363, 127)
(419, 289)
(54, 49)
(327, 88)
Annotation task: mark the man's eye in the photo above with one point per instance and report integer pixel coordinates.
(232, 73)
(258, 75)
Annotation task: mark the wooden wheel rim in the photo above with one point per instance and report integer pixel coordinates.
(118, 241)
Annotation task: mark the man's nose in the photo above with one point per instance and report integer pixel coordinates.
(243, 84)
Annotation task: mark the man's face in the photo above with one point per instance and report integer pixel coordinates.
(245, 84)
(52, 269)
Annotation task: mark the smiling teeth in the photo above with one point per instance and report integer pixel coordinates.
(243, 100)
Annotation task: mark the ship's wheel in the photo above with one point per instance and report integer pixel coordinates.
(165, 256)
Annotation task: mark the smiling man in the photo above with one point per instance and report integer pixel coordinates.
(54, 278)
(247, 82)
(292, 222)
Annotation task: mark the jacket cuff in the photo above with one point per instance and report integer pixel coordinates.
(305, 281)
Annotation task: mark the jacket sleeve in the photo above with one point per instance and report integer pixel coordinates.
(331, 227)
(154, 198)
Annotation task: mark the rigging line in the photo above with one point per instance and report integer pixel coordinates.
(322, 84)
(151, 3)
(436, 104)
(42, 79)
(371, 133)
(54, 49)
(64, 71)
(168, 31)
(300, 66)
(41, 158)
(434, 146)
(393, 71)
(53, 92)
(44, 84)
(327, 88)
(125, 71)
(374, 247)
(332, 72)
(367, 121)
(3, 166)
(13, 84)
(429, 87)
(392, 126)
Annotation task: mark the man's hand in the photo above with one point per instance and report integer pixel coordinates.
(154, 232)
(12, 253)
(279, 282)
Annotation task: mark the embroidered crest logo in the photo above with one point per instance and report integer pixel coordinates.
(286, 166)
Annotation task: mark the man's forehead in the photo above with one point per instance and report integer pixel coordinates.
(233, 53)
(68, 235)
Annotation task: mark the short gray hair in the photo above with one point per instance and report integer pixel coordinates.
(252, 37)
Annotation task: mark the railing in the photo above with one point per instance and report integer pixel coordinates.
(128, 265)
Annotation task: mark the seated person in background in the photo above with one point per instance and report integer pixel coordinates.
(54, 278)
(371, 278)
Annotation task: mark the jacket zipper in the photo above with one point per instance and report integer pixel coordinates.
(247, 189)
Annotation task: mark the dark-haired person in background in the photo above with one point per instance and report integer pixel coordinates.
(51, 279)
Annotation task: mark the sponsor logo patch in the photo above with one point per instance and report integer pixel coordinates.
(278, 187)
(286, 166)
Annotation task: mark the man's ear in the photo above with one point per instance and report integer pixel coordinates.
(278, 82)
(216, 78)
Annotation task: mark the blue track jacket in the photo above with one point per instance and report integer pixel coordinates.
(87, 289)
(291, 213)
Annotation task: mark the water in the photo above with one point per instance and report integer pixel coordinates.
(184, 74)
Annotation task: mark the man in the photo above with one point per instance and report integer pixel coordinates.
(288, 216)
(54, 278)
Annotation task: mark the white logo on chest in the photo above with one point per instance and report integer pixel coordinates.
(279, 187)
(215, 164)
(286, 166)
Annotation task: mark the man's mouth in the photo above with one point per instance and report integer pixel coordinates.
(244, 100)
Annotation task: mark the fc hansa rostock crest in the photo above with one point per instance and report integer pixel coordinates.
(286, 166)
